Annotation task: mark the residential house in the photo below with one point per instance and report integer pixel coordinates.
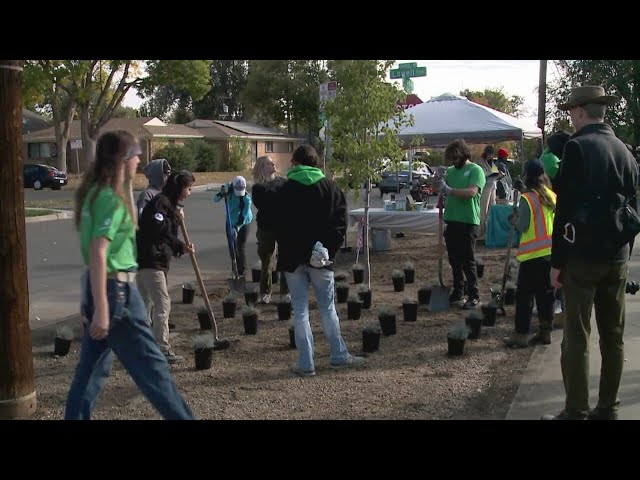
(40, 146)
(262, 140)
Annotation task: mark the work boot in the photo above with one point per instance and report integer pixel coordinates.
(602, 414)
(543, 335)
(558, 320)
(564, 415)
(517, 340)
(456, 298)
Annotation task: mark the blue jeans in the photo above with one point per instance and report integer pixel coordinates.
(130, 338)
(322, 281)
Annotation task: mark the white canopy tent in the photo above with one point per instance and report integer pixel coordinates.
(448, 117)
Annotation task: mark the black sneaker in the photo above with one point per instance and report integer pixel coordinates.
(602, 414)
(471, 304)
(456, 297)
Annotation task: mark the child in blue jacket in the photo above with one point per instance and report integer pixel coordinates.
(241, 217)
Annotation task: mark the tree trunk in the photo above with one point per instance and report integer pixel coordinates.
(17, 390)
(88, 140)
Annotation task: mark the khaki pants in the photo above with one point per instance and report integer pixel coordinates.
(587, 285)
(487, 199)
(266, 248)
(155, 294)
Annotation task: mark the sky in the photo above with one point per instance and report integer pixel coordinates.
(516, 77)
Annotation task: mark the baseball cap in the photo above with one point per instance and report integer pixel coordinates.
(239, 186)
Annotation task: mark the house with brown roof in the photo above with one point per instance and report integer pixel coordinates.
(261, 140)
(40, 146)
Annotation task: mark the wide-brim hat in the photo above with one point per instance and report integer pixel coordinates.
(587, 94)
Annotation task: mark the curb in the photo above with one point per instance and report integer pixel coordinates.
(59, 215)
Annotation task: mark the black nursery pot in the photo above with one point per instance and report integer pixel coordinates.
(398, 284)
(358, 276)
(354, 310)
(205, 321)
(255, 275)
(480, 269)
(292, 337)
(409, 276)
(188, 294)
(424, 296)
(370, 341)
(61, 346)
(474, 324)
(250, 324)
(251, 298)
(203, 358)
(342, 294)
(410, 312)
(489, 312)
(387, 324)
(284, 310)
(229, 309)
(365, 297)
(456, 347)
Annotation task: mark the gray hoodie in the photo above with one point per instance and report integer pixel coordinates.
(157, 172)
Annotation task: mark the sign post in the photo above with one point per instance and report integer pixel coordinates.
(407, 71)
(76, 145)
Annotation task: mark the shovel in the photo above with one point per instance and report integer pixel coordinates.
(507, 260)
(236, 283)
(439, 301)
(218, 344)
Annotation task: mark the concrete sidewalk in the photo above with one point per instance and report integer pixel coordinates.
(541, 389)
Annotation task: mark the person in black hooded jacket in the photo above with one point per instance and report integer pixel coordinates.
(157, 242)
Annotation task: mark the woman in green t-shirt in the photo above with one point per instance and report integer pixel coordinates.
(115, 315)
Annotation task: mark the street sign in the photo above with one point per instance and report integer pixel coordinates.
(407, 84)
(328, 91)
(76, 144)
(408, 73)
(407, 66)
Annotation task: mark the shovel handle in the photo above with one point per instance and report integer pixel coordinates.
(440, 248)
(196, 269)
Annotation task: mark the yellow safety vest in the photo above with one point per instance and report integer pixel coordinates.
(536, 241)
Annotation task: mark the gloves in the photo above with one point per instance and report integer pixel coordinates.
(518, 184)
(319, 256)
(443, 188)
(440, 172)
(223, 190)
(234, 233)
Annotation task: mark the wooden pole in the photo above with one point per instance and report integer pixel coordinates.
(17, 390)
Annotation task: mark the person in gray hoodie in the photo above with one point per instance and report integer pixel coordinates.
(157, 172)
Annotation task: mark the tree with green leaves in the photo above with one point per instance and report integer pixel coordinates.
(365, 121)
(228, 80)
(285, 93)
(618, 77)
(48, 87)
(497, 99)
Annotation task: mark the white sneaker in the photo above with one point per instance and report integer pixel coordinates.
(286, 297)
(557, 307)
(266, 298)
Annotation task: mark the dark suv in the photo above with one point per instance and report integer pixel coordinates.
(38, 176)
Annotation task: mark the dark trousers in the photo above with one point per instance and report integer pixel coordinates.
(534, 282)
(460, 239)
(240, 242)
(587, 285)
(266, 248)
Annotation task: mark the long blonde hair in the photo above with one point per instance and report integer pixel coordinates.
(259, 168)
(108, 170)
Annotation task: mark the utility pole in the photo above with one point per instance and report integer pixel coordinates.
(17, 389)
(542, 100)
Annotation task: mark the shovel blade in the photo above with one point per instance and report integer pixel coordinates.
(439, 301)
(237, 285)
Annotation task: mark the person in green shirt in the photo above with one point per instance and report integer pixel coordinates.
(462, 186)
(552, 155)
(115, 318)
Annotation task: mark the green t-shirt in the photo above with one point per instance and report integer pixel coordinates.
(551, 163)
(109, 218)
(465, 210)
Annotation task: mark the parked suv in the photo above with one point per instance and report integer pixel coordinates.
(38, 176)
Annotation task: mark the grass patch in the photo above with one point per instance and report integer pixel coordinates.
(57, 203)
(202, 178)
(37, 212)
